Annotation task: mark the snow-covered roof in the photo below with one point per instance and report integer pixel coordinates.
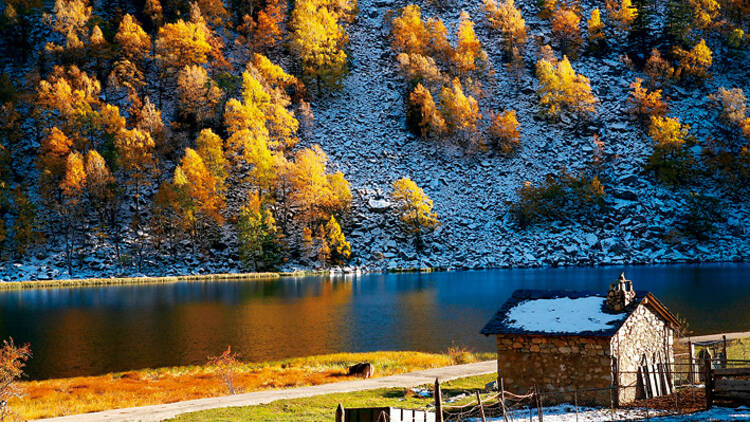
(558, 312)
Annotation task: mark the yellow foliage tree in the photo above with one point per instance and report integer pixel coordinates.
(504, 131)
(339, 248)
(154, 11)
(182, 44)
(134, 42)
(53, 161)
(137, 166)
(646, 103)
(414, 208)
(317, 40)
(560, 86)
(595, 27)
(417, 69)
(312, 190)
(658, 70)
(69, 19)
(198, 95)
(409, 34)
(438, 46)
(566, 28)
(671, 159)
(468, 52)
(99, 183)
(423, 114)
(623, 13)
(257, 235)
(75, 178)
(461, 112)
(705, 13)
(504, 16)
(210, 148)
(200, 200)
(696, 61)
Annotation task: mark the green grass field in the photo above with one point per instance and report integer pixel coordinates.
(322, 408)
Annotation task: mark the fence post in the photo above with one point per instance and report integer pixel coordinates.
(691, 362)
(540, 412)
(502, 399)
(481, 407)
(340, 413)
(724, 356)
(575, 401)
(438, 402)
(709, 380)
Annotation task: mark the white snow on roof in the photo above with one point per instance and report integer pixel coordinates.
(562, 315)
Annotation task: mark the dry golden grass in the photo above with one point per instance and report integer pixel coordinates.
(68, 396)
(95, 282)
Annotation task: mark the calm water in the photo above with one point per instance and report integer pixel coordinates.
(86, 331)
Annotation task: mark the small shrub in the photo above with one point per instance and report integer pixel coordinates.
(561, 196)
(645, 103)
(460, 354)
(12, 361)
(226, 364)
(504, 132)
(702, 215)
(659, 72)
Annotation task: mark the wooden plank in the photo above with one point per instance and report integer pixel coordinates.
(732, 385)
(652, 381)
(715, 337)
(340, 413)
(438, 402)
(666, 385)
(733, 395)
(728, 372)
(708, 376)
(643, 369)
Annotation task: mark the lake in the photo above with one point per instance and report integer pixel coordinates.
(94, 330)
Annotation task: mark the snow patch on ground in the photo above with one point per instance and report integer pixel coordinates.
(562, 315)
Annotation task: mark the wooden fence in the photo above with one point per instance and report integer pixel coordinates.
(726, 384)
(383, 414)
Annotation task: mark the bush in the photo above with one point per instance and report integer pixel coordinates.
(561, 196)
(12, 361)
(701, 216)
(227, 364)
(671, 159)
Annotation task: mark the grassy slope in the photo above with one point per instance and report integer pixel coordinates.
(57, 397)
(322, 408)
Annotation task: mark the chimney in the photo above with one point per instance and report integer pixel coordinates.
(620, 294)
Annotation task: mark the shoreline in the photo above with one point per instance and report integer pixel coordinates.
(129, 281)
(124, 281)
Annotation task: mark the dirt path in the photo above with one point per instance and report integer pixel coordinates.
(164, 411)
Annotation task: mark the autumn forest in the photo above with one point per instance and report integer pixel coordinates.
(159, 130)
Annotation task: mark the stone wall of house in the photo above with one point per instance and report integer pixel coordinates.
(556, 363)
(644, 334)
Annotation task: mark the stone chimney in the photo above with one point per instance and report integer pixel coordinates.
(620, 294)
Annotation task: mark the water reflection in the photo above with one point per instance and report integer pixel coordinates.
(95, 330)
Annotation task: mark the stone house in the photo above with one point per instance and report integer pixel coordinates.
(564, 340)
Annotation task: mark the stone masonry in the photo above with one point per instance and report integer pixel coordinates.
(556, 363)
(644, 335)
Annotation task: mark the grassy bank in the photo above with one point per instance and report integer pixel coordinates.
(116, 281)
(58, 397)
(321, 408)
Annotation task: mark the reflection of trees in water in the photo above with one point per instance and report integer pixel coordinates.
(95, 330)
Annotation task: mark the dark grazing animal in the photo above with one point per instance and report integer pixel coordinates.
(364, 370)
